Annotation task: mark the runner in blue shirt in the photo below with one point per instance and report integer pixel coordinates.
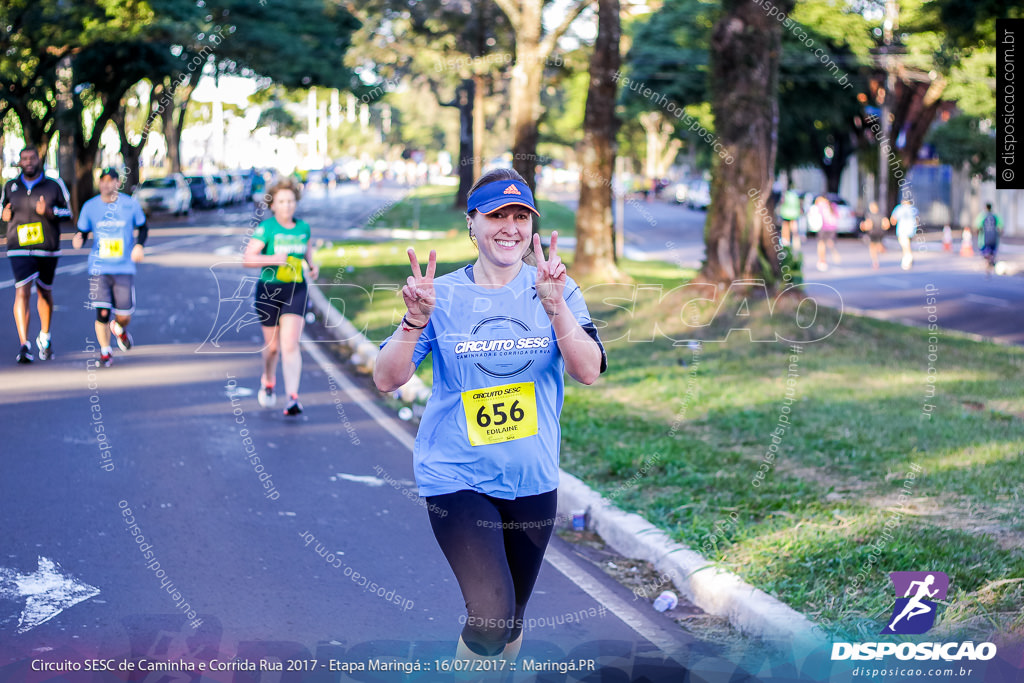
(502, 334)
(112, 217)
(904, 217)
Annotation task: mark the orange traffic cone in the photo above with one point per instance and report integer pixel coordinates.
(966, 246)
(947, 239)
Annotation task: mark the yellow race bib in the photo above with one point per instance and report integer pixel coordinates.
(30, 233)
(111, 247)
(291, 271)
(498, 414)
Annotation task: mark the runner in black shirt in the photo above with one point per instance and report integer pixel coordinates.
(33, 207)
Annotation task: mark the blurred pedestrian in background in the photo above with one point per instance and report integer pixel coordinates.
(905, 218)
(789, 212)
(829, 222)
(989, 227)
(875, 223)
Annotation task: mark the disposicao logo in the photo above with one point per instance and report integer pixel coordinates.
(914, 612)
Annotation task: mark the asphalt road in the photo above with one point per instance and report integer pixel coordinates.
(137, 524)
(965, 299)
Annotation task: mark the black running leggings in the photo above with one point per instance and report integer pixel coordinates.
(495, 547)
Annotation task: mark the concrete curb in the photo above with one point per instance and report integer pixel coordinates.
(717, 592)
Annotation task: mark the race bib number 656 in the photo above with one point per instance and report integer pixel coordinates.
(498, 414)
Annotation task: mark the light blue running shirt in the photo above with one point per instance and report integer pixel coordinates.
(905, 218)
(498, 382)
(113, 227)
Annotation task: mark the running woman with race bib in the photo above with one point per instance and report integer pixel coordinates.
(502, 334)
(281, 247)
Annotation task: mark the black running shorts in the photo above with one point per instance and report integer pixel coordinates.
(29, 268)
(274, 299)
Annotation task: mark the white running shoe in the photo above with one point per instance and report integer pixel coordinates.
(266, 397)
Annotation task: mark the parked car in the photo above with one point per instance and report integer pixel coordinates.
(204, 191)
(243, 182)
(698, 195)
(168, 194)
(682, 189)
(236, 187)
(223, 189)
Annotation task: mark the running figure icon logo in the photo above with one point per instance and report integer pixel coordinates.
(914, 612)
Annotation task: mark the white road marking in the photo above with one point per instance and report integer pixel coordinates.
(361, 479)
(990, 300)
(633, 617)
(365, 401)
(47, 592)
(661, 637)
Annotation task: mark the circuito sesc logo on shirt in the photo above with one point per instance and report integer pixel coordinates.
(502, 347)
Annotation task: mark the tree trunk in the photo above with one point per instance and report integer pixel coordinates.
(527, 75)
(595, 241)
(916, 109)
(65, 104)
(745, 51)
(130, 153)
(34, 130)
(87, 148)
(479, 123)
(82, 188)
(842, 149)
(174, 103)
(662, 148)
(464, 100)
(532, 53)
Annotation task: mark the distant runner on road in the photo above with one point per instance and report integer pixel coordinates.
(904, 217)
(112, 217)
(281, 247)
(502, 334)
(33, 207)
(989, 227)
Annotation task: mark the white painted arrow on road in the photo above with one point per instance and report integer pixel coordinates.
(47, 592)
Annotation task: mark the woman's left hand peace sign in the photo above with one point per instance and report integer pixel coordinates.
(550, 274)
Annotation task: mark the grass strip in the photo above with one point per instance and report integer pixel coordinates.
(679, 432)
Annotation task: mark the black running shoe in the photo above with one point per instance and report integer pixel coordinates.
(25, 354)
(294, 407)
(106, 360)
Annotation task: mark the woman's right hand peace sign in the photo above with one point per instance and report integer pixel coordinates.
(419, 290)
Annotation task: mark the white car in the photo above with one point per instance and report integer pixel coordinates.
(682, 189)
(698, 196)
(168, 194)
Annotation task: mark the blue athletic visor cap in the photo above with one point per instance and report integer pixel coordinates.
(501, 193)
